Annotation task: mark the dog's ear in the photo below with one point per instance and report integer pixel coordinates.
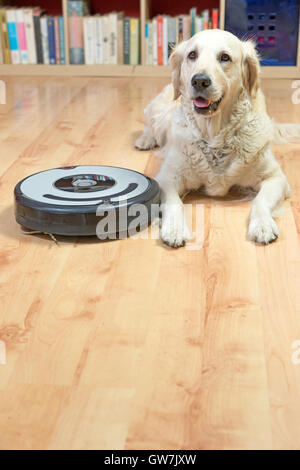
(251, 68)
(175, 61)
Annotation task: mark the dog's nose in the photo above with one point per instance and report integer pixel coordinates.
(201, 81)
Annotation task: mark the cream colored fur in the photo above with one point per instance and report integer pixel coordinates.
(229, 147)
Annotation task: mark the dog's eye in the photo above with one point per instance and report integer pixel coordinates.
(192, 55)
(225, 58)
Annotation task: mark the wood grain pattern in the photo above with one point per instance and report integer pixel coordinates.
(130, 344)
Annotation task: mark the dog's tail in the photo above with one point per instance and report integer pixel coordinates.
(284, 133)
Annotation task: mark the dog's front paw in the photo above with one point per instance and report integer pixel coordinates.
(263, 230)
(145, 142)
(174, 231)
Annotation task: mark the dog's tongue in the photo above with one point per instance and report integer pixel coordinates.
(201, 103)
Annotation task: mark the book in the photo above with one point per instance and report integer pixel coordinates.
(134, 41)
(105, 39)
(126, 40)
(215, 18)
(154, 40)
(171, 35)
(62, 43)
(57, 39)
(98, 45)
(159, 33)
(4, 37)
(38, 35)
(120, 40)
(13, 36)
(22, 36)
(76, 11)
(45, 42)
(30, 36)
(165, 39)
(51, 40)
(89, 39)
(147, 41)
(193, 13)
(112, 38)
(150, 43)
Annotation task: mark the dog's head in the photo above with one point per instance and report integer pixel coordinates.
(212, 68)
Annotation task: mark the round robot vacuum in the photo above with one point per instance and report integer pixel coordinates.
(86, 200)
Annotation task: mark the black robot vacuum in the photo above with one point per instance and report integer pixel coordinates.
(73, 200)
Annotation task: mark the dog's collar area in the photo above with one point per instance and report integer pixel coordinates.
(203, 106)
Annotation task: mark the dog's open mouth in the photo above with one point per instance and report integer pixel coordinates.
(204, 106)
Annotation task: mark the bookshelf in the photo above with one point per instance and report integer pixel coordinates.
(146, 9)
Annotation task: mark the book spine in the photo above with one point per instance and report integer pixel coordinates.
(38, 36)
(193, 13)
(4, 37)
(51, 40)
(205, 15)
(13, 37)
(159, 40)
(215, 18)
(154, 40)
(76, 9)
(22, 36)
(126, 40)
(57, 39)
(29, 28)
(98, 51)
(105, 39)
(45, 42)
(165, 40)
(134, 41)
(180, 29)
(150, 43)
(120, 41)
(113, 36)
(88, 39)
(62, 43)
(171, 35)
(147, 42)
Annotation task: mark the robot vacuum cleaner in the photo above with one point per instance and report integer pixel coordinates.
(86, 200)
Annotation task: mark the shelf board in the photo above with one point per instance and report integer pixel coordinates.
(120, 71)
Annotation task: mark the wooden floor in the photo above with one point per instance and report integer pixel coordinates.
(130, 344)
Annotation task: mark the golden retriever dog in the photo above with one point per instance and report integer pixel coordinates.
(214, 132)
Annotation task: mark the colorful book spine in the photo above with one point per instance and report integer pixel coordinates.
(51, 40)
(22, 36)
(193, 13)
(62, 42)
(4, 37)
(57, 39)
(126, 40)
(13, 36)
(45, 42)
(76, 11)
(29, 28)
(38, 36)
(215, 18)
(134, 41)
(159, 32)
